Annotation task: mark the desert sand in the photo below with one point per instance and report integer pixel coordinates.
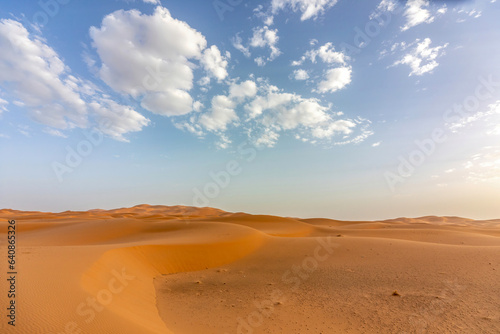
(158, 269)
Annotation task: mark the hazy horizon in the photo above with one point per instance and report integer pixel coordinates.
(294, 108)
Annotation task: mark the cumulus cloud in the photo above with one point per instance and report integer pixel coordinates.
(223, 107)
(115, 119)
(416, 12)
(215, 62)
(308, 8)
(262, 38)
(38, 77)
(276, 111)
(423, 58)
(300, 74)
(221, 115)
(335, 79)
(387, 5)
(238, 45)
(150, 57)
(33, 73)
(326, 53)
(265, 112)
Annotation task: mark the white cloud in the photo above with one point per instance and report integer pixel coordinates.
(300, 74)
(442, 10)
(115, 119)
(326, 53)
(3, 105)
(214, 62)
(38, 77)
(308, 8)
(466, 14)
(238, 45)
(222, 114)
(223, 107)
(266, 17)
(204, 81)
(260, 61)
(150, 58)
(197, 106)
(241, 91)
(262, 37)
(376, 144)
(490, 117)
(153, 2)
(335, 79)
(275, 111)
(265, 112)
(484, 166)
(416, 12)
(265, 37)
(387, 5)
(223, 142)
(40, 81)
(422, 58)
(54, 132)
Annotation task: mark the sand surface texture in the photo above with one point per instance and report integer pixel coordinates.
(158, 269)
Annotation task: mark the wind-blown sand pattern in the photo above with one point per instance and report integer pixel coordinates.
(158, 269)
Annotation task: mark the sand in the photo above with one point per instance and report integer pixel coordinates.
(158, 269)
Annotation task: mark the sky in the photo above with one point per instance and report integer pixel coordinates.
(305, 108)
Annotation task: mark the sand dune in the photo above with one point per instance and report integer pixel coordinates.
(158, 269)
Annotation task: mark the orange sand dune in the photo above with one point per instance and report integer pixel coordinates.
(158, 269)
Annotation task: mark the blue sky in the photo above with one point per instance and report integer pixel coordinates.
(328, 108)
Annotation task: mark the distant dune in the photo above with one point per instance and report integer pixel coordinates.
(177, 269)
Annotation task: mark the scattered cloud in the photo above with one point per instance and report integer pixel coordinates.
(335, 79)
(326, 53)
(308, 8)
(416, 12)
(467, 14)
(34, 74)
(300, 74)
(3, 105)
(54, 132)
(238, 45)
(262, 37)
(491, 117)
(223, 107)
(422, 58)
(265, 112)
(376, 144)
(484, 167)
